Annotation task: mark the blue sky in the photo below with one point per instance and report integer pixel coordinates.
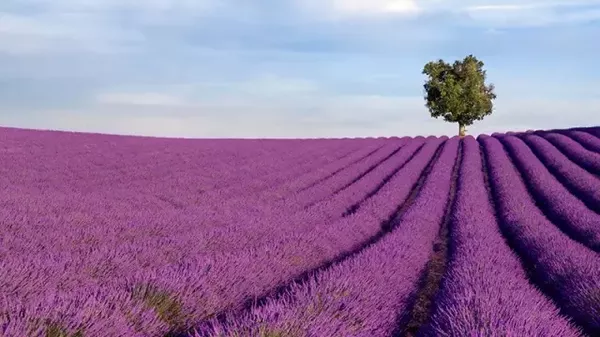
(289, 68)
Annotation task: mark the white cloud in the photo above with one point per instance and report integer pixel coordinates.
(374, 6)
(148, 98)
(511, 13)
(341, 9)
(338, 116)
(202, 95)
(493, 13)
(41, 26)
(542, 113)
(112, 5)
(500, 5)
(270, 105)
(273, 85)
(48, 32)
(298, 117)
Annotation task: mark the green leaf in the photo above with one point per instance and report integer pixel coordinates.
(457, 92)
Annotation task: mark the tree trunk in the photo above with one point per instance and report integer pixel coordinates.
(462, 131)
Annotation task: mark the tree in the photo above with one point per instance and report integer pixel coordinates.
(458, 92)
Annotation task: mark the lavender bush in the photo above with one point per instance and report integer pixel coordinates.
(105, 235)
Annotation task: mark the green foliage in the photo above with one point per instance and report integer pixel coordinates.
(266, 332)
(167, 307)
(48, 328)
(56, 330)
(458, 92)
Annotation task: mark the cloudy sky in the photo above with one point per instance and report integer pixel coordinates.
(289, 68)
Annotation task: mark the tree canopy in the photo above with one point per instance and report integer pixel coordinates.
(458, 92)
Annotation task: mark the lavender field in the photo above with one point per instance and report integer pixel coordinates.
(105, 235)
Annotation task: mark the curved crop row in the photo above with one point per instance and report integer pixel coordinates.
(485, 290)
(565, 270)
(363, 295)
(369, 184)
(192, 286)
(324, 173)
(283, 221)
(299, 170)
(129, 236)
(245, 179)
(594, 131)
(588, 138)
(583, 184)
(124, 206)
(349, 177)
(268, 190)
(296, 248)
(294, 202)
(563, 208)
(265, 222)
(113, 165)
(587, 159)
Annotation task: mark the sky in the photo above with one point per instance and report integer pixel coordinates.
(290, 68)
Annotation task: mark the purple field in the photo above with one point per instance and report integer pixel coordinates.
(105, 236)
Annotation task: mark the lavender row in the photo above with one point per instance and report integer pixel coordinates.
(313, 181)
(278, 190)
(295, 169)
(283, 221)
(361, 188)
(588, 137)
(120, 257)
(593, 130)
(345, 176)
(235, 179)
(585, 185)
(159, 221)
(302, 248)
(122, 200)
(564, 269)
(485, 290)
(363, 295)
(325, 172)
(222, 228)
(90, 164)
(348, 177)
(204, 162)
(114, 148)
(267, 219)
(563, 208)
(86, 311)
(575, 151)
(56, 291)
